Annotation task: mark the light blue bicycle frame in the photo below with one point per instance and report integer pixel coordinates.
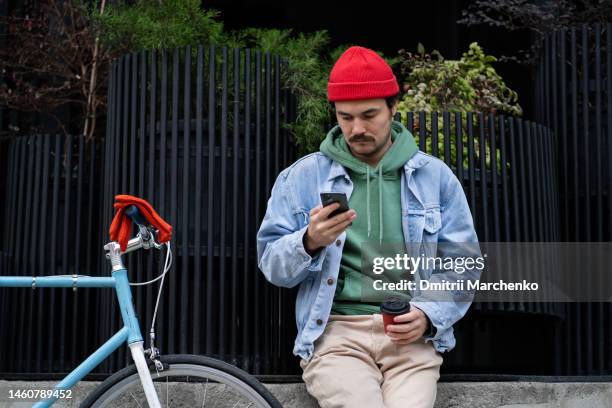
(130, 333)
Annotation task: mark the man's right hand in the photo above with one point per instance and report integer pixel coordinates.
(323, 231)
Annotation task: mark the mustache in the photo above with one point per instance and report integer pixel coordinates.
(361, 138)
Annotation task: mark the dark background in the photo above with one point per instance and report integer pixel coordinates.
(388, 27)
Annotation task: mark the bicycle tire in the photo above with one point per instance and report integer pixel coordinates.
(118, 388)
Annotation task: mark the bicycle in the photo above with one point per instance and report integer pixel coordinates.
(196, 381)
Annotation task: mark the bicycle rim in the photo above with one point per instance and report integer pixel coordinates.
(190, 384)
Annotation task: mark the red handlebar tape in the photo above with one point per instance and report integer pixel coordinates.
(121, 227)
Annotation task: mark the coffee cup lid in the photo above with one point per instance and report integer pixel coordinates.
(394, 305)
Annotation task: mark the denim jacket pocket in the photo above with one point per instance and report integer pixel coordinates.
(433, 220)
(433, 224)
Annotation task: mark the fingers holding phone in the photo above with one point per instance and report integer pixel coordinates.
(328, 221)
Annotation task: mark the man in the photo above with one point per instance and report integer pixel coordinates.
(396, 194)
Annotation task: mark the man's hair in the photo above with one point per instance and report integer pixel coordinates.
(392, 100)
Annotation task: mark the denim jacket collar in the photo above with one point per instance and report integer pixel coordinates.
(337, 170)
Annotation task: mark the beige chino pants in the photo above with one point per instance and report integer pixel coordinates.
(355, 364)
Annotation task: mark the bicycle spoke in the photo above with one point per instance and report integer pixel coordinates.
(135, 400)
(205, 389)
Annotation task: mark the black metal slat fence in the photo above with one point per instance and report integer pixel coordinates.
(198, 132)
(574, 99)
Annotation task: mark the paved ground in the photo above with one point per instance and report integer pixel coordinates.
(450, 395)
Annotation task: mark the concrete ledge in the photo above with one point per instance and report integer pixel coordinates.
(450, 395)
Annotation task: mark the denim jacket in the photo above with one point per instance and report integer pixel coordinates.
(434, 209)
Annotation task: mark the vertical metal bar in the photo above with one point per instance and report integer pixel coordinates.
(258, 198)
(598, 135)
(248, 265)
(422, 131)
(268, 90)
(142, 302)
(172, 315)
(472, 166)
(598, 307)
(185, 276)
(552, 79)
(120, 181)
(561, 165)
(504, 176)
(162, 172)
(43, 249)
(575, 170)
(197, 230)
(111, 167)
(547, 63)
(142, 124)
(609, 138)
(152, 179)
(123, 178)
(482, 144)
(210, 192)
(278, 304)
(37, 146)
(516, 203)
(542, 217)
(78, 248)
(524, 187)
(459, 147)
(434, 134)
(17, 326)
(268, 291)
(586, 137)
(410, 122)
(277, 160)
(529, 144)
(447, 133)
(235, 180)
(494, 185)
(90, 231)
(223, 218)
(18, 237)
(133, 116)
(131, 155)
(67, 242)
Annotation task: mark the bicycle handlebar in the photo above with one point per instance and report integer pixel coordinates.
(134, 213)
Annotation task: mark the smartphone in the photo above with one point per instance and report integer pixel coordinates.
(334, 197)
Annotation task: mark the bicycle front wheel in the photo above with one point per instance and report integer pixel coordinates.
(186, 381)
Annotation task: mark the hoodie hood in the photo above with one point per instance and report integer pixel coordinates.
(403, 148)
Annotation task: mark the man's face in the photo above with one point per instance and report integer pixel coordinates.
(366, 126)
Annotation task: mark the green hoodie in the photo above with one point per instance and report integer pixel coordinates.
(378, 220)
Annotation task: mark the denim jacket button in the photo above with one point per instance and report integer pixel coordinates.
(330, 281)
(319, 322)
(338, 243)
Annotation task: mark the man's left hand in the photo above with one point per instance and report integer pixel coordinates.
(408, 327)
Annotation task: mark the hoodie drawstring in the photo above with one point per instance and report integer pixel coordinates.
(380, 213)
(368, 196)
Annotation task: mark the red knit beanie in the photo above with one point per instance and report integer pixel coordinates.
(360, 73)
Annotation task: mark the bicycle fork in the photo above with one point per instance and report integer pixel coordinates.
(144, 374)
(135, 341)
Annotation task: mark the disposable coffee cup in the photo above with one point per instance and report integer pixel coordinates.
(391, 307)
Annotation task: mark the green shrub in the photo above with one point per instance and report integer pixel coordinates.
(470, 84)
